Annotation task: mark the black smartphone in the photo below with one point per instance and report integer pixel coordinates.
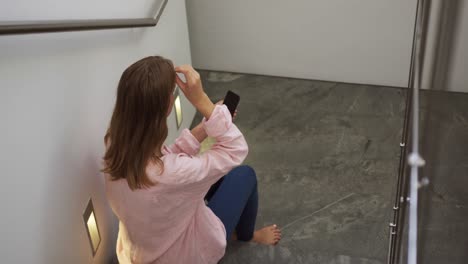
(231, 100)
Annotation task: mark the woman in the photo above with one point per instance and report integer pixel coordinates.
(157, 192)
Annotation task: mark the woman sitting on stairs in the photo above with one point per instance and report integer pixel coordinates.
(157, 192)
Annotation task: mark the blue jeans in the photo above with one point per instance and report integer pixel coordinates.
(234, 199)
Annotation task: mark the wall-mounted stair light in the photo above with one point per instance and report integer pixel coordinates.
(177, 107)
(92, 227)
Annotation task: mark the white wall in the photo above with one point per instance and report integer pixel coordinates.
(458, 75)
(56, 96)
(360, 41)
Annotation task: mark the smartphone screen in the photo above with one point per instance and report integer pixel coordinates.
(231, 100)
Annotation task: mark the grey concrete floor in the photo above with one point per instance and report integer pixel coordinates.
(326, 156)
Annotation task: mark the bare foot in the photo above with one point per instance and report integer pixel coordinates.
(269, 235)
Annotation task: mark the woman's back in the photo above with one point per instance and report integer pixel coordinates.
(169, 222)
(163, 222)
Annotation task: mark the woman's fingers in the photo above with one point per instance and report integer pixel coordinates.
(183, 68)
(186, 69)
(190, 74)
(180, 83)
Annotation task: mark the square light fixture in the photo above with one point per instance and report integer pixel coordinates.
(177, 107)
(91, 225)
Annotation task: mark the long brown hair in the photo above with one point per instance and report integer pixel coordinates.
(138, 126)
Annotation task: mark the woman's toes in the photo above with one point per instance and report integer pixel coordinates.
(269, 235)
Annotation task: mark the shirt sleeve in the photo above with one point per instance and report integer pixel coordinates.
(229, 151)
(185, 143)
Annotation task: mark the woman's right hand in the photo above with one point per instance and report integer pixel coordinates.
(192, 87)
(193, 90)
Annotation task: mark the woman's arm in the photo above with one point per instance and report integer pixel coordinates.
(189, 142)
(229, 151)
(193, 90)
(199, 132)
(185, 142)
(230, 148)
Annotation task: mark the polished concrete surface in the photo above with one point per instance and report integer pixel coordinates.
(326, 156)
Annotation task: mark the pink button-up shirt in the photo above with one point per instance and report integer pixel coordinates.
(169, 222)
